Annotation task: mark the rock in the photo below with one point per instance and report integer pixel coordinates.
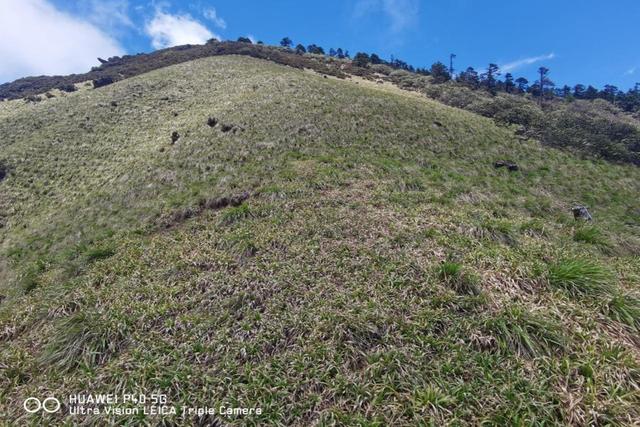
(174, 137)
(3, 171)
(581, 212)
(513, 167)
(212, 121)
(227, 128)
(102, 81)
(67, 87)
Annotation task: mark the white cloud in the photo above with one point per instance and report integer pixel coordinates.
(402, 14)
(512, 66)
(112, 14)
(212, 16)
(36, 38)
(631, 71)
(168, 30)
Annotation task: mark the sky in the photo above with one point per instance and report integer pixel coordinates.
(587, 41)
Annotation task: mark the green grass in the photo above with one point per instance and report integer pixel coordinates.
(624, 309)
(526, 334)
(235, 214)
(381, 272)
(462, 282)
(83, 340)
(450, 270)
(581, 277)
(591, 235)
(99, 253)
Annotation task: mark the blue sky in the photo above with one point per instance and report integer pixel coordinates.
(586, 41)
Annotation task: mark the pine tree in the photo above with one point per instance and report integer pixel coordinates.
(489, 78)
(543, 83)
(361, 59)
(509, 86)
(469, 78)
(523, 84)
(286, 42)
(440, 73)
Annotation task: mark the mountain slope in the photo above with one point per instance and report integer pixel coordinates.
(380, 269)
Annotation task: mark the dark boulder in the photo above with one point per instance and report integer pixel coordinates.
(174, 137)
(102, 81)
(513, 167)
(212, 121)
(581, 212)
(67, 87)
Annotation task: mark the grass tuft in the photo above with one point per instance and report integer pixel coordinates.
(82, 339)
(235, 214)
(450, 270)
(624, 309)
(591, 235)
(581, 277)
(100, 253)
(463, 283)
(432, 398)
(526, 334)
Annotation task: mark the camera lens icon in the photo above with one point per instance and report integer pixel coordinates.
(33, 405)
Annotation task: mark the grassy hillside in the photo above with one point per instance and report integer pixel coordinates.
(331, 251)
(596, 128)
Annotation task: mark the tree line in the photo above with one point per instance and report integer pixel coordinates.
(543, 88)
